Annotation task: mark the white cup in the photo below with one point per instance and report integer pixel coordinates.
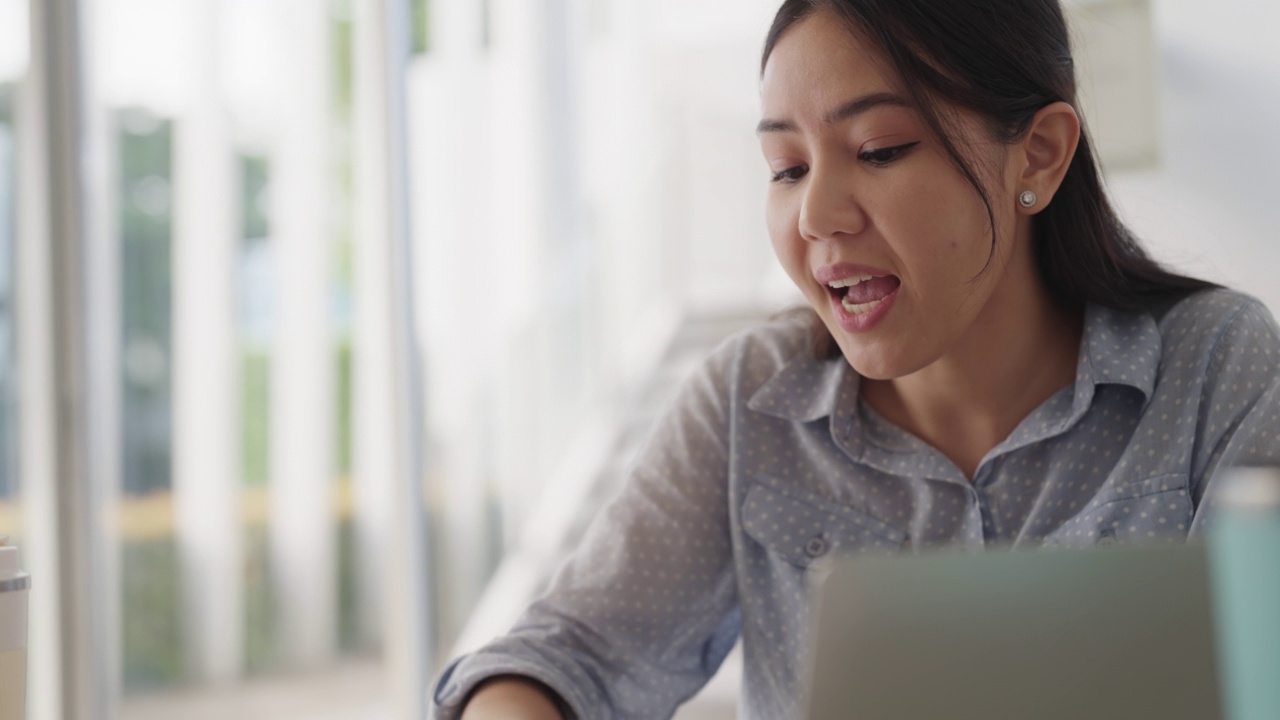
(14, 585)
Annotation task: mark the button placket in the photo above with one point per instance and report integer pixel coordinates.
(816, 547)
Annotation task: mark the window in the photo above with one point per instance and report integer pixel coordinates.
(12, 64)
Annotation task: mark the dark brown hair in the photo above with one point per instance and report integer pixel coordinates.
(1005, 60)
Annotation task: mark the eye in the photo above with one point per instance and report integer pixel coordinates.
(881, 157)
(790, 175)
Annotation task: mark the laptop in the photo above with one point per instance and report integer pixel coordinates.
(1119, 633)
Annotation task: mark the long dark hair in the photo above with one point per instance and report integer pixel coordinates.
(1005, 60)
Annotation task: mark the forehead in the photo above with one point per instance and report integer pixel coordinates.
(818, 63)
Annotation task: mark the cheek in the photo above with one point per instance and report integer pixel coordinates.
(951, 225)
(784, 234)
(940, 244)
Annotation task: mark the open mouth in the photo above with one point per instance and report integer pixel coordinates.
(860, 294)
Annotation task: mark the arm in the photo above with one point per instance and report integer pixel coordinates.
(1239, 418)
(512, 698)
(644, 611)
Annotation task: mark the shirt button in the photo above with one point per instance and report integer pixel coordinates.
(1107, 540)
(816, 547)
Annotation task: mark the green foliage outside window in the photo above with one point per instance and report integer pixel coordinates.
(343, 55)
(421, 22)
(8, 236)
(255, 416)
(146, 228)
(151, 613)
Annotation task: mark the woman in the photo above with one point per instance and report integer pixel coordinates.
(988, 359)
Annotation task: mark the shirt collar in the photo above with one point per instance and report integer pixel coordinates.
(806, 388)
(1117, 348)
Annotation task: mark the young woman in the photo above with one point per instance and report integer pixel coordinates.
(988, 358)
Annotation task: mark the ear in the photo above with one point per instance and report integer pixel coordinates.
(1046, 152)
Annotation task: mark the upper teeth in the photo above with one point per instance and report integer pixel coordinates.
(849, 281)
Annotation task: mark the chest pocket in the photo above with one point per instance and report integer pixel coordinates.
(1154, 510)
(801, 527)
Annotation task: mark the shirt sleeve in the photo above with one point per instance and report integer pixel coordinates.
(645, 610)
(1239, 417)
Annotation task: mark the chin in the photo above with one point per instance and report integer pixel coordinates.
(877, 365)
(876, 372)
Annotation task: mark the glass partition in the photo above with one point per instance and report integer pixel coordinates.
(13, 62)
(229, 203)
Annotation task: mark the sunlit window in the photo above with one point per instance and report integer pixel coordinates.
(13, 49)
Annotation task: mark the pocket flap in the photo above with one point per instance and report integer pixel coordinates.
(802, 527)
(1141, 488)
(1158, 509)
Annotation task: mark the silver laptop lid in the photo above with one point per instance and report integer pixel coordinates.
(1051, 634)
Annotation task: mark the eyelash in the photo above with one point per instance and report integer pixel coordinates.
(880, 157)
(877, 157)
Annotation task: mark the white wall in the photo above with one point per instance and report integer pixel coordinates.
(1210, 207)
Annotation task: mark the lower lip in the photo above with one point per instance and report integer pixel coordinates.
(867, 320)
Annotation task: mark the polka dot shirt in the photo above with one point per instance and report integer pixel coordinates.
(768, 462)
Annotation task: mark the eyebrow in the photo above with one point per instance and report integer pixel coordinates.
(840, 114)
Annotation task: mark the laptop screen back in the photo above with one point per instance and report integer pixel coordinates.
(1115, 633)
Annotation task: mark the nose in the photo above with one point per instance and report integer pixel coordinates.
(829, 206)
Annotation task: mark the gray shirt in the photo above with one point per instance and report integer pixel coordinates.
(768, 461)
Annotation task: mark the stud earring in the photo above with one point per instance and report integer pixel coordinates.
(1027, 199)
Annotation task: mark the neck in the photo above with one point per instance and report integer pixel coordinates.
(1017, 355)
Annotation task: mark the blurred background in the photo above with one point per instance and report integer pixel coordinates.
(374, 297)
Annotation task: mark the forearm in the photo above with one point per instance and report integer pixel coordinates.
(512, 697)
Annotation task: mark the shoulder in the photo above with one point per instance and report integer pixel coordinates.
(1210, 306)
(752, 356)
(1213, 324)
